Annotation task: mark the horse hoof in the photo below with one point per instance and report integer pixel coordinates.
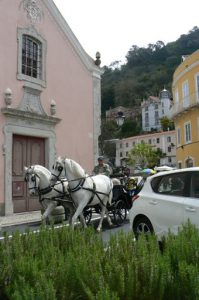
(98, 230)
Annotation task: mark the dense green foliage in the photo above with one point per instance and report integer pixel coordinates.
(144, 155)
(146, 72)
(74, 264)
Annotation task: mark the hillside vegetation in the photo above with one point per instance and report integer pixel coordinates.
(146, 72)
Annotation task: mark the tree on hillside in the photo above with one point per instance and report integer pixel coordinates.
(146, 71)
(108, 132)
(166, 124)
(130, 128)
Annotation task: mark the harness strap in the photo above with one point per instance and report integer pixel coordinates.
(46, 190)
(93, 190)
(78, 187)
(63, 187)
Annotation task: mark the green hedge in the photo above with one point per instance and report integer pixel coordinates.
(66, 264)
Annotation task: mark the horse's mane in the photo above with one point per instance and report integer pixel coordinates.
(37, 169)
(75, 167)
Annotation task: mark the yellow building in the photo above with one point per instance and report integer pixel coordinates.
(185, 110)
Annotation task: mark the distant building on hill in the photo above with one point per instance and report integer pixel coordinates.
(153, 109)
(128, 113)
(165, 141)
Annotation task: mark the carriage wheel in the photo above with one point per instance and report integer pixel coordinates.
(119, 212)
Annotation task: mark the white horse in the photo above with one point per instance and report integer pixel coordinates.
(85, 190)
(38, 180)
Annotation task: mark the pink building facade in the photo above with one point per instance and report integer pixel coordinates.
(49, 95)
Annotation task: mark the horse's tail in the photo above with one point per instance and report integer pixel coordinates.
(111, 192)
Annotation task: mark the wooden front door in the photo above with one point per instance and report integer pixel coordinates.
(27, 151)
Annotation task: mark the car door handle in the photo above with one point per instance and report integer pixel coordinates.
(191, 209)
(154, 202)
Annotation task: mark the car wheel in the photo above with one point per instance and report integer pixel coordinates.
(142, 225)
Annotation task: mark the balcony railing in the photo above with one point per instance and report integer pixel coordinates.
(185, 104)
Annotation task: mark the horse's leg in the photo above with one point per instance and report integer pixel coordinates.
(103, 210)
(82, 220)
(49, 209)
(108, 217)
(77, 213)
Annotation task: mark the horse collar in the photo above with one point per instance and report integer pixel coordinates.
(78, 187)
(46, 190)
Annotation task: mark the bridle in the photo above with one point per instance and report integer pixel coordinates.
(33, 177)
(71, 190)
(60, 169)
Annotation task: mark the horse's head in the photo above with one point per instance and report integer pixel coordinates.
(32, 179)
(57, 169)
(70, 168)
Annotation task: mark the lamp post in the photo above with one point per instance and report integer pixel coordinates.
(120, 118)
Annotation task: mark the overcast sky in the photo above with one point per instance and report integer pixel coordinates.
(113, 26)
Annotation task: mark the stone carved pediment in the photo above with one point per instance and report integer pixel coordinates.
(31, 101)
(34, 12)
(30, 109)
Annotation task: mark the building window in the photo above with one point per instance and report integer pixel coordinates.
(31, 57)
(31, 65)
(157, 140)
(156, 106)
(168, 139)
(197, 86)
(156, 117)
(120, 145)
(147, 119)
(187, 133)
(169, 149)
(121, 154)
(185, 93)
(127, 153)
(127, 144)
(133, 143)
(178, 136)
(149, 141)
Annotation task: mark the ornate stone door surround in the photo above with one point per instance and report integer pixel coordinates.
(25, 124)
(31, 120)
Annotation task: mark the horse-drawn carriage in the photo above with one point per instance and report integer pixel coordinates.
(81, 195)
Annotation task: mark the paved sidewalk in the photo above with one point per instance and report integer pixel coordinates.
(20, 218)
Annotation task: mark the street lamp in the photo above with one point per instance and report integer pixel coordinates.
(120, 118)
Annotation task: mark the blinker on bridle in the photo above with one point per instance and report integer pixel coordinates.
(31, 177)
(59, 169)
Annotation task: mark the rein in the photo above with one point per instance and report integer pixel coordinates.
(47, 189)
(93, 190)
(80, 185)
